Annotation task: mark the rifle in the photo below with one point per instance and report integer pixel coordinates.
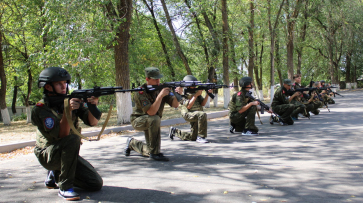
(206, 87)
(186, 84)
(264, 106)
(83, 94)
(336, 93)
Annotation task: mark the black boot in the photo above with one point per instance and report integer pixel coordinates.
(127, 148)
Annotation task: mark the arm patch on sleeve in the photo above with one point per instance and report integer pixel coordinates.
(145, 102)
(49, 122)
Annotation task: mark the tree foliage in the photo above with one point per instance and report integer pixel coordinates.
(325, 42)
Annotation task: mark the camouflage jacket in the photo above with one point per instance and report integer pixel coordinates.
(48, 119)
(238, 101)
(144, 100)
(197, 106)
(280, 97)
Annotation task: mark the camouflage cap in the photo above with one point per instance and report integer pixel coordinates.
(153, 73)
(287, 81)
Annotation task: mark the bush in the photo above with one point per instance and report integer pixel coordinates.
(19, 117)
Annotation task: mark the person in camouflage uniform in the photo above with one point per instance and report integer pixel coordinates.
(192, 111)
(327, 98)
(147, 115)
(57, 146)
(308, 102)
(242, 111)
(281, 103)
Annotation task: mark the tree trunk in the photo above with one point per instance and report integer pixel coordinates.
(260, 72)
(161, 39)
(123, 100)
(348, 67)
(299, 59)
(175, 39)
(30, 82)
(303, 37)
(272, 48)
(251, 59)
(354, 78)
(212, 76)
(4, 110)
(291, 20)
(78, 80)
(234, 64)
(226, 91)
(290, 49)
(15, 95)
(278, 62)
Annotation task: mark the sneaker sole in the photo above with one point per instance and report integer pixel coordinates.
(69, 198)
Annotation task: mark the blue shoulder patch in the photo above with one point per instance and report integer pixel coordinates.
(49, 122)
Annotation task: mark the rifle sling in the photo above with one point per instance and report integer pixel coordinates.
(69, 119)
(258, 114)
(106, 121)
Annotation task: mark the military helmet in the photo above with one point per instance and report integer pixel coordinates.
(323, 81)
(243, 82)
(53, 74)
(190, 78)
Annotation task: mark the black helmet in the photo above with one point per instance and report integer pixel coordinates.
(53, 74)
(190, 78)
(323, 81)
(243, 82)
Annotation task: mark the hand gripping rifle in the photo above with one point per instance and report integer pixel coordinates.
(185, 84)
(329, 90)
(206, 87)
(264, 106)
(88, 93)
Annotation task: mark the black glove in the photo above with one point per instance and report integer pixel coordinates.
(94, 110)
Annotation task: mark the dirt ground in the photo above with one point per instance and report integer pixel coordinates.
(19, 131)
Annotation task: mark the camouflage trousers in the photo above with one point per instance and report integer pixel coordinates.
(70, 168)
(245, 120)
(299, 108)
(284, 111)
(328, 99)
(315, 106)
(151, 127)
(198, 126)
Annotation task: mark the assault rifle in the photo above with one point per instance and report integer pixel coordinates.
(264, 106)
(206, 87)
(331, 91)
(336, 93)
(185, 84)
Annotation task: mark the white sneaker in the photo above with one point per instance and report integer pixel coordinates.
(201, 140)
(249, 133)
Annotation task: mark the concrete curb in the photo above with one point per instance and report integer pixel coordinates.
(14, 146)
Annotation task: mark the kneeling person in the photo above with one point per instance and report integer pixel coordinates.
(281, 103)
(57, 146)
(192, 112)
(146, 116)
(241, 113)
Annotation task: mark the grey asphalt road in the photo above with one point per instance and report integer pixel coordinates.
(317, 160)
